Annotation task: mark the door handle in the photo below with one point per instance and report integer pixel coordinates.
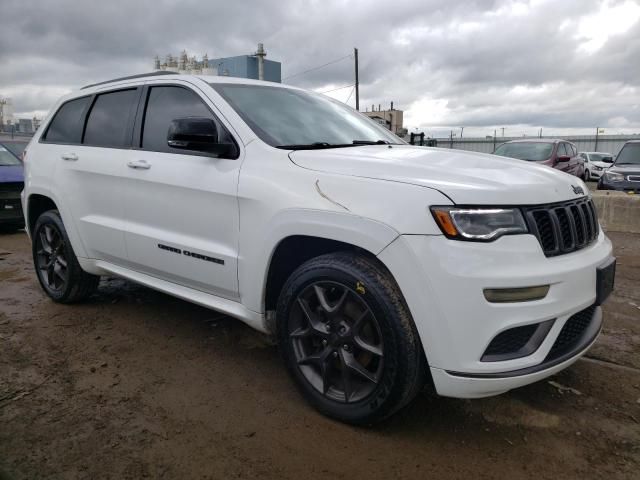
(71, 157)
(139, 164)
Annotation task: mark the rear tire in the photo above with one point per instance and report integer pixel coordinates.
(57, 267)
(348, 340)
(587, 175)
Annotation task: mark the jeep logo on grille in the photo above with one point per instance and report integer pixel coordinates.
(577, 190)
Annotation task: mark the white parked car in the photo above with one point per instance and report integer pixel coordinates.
(380, 267)
(595, 164)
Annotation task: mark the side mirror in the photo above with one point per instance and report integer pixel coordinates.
(197, 134)
(563, 158)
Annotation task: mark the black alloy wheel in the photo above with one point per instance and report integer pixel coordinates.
(336, 341)
(347, 338)
(51, 261)
(55, 262)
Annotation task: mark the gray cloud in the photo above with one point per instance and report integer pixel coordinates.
(481, 64)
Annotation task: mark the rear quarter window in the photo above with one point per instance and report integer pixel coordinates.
(66, 126)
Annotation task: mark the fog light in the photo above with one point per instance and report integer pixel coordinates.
(525, 294)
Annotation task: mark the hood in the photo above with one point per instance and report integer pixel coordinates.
(465, 177)
(626, 168)
(602, 164)
(11, 173)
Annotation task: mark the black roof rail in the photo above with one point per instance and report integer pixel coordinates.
(131, 77)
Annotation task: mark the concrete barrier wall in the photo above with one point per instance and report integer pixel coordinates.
(618, 211)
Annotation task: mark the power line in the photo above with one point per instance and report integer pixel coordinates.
(318, 67)
(339, 88)
(349, 97)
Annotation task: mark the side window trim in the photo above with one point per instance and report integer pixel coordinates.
(141, 113)
(81, 120)
(130, 119)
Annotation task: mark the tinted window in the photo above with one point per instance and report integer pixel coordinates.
(66, 126)
(165, 104)
(109, 118)
(532, 151)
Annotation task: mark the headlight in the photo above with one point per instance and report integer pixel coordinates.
(597, 168)
(614, 177)
(480, 224)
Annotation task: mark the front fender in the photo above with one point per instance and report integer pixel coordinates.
(253, 265)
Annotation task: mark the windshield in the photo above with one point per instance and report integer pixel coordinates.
(629, 155)
(531, 151)
(284, 117)
(598, 157)
(8, 159)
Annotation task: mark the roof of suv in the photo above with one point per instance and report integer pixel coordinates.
(537, 140)
(177, 75)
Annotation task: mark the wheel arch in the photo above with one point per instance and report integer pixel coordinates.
(39, 201)
(299, 236)
(37, 204)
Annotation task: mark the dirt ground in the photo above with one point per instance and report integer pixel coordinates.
(136, 384)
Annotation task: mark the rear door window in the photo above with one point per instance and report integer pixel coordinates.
(108, 121)
(66, 126)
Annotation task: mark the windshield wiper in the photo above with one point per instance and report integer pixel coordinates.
(314, 146)
(319, 145)
(370, 142)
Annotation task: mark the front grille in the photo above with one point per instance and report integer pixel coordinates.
(571, 333)
(634, 178)
(564, 227)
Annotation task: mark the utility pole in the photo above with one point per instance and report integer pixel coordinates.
(494, 140)
(596, 146)
(502, 132)
(355, 56)
(461, 131)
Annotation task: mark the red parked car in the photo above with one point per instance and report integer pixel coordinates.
(558, 154)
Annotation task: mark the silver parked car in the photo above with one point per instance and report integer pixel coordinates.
(595, 163)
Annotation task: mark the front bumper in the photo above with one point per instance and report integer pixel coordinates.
(11, 210)
(595, 173)
(624, 186)
(443, 282)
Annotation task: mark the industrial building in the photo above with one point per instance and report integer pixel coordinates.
(391, 119)
(254, 66)
(6, 112)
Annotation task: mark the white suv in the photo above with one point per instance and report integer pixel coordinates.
(379, 266)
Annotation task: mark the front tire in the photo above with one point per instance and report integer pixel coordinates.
(348, 339)
(587, 175)
(57, 267)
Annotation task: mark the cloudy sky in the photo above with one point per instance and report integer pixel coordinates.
(563, 65)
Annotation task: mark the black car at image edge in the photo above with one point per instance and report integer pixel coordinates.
(11, 185)
(624, 174)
